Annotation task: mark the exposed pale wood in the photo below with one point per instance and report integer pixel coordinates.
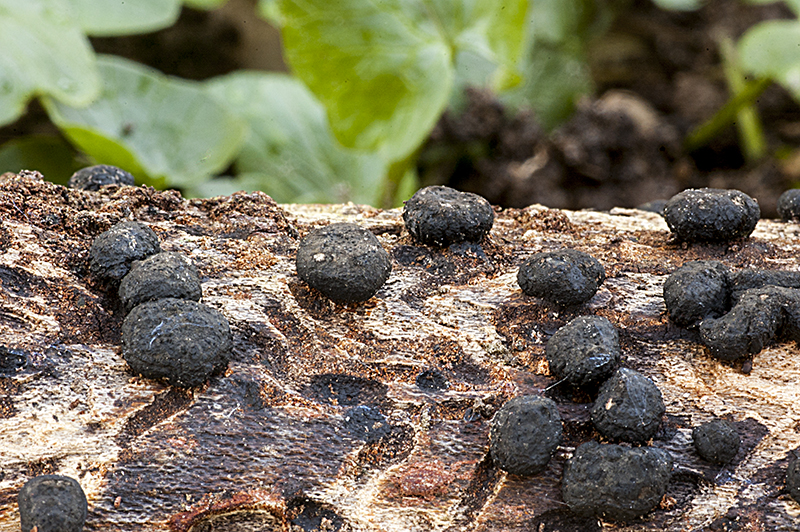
(258, 445)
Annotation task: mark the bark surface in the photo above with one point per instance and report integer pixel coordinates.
(270, 445)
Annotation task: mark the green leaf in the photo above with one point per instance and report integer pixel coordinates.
(555, 78)
(268, 9)
(290, 152)
(680, 5)
(42, 51)
(102, 18)
(772, 49)
(204, 4)
(163, 130)
(553, 21)
(793, 4)
(384, 70)
(555, 74)
(51, 156)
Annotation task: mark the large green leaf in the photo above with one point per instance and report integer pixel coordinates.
(771, 49)
(554, 71)
(290, 152)
(204, 4)
(164, 130)
(554, 79)
(794, 4)
(103, 18)
(51, 156)
(268, 9)
(559, 21)
(42, 51)
(681, 5)
(384, 70)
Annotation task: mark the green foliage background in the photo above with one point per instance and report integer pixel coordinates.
(369, 81)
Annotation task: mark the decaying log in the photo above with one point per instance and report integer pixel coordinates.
(269, 444)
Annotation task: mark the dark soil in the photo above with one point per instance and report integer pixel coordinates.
(658, 75)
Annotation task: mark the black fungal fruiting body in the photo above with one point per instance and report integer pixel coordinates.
(183, 342)
(113, 251)
(159, 276)
(584, 350)
(793, 478)
(789, 205)
(344, 262)
(94, 177)
(752, 278)
(615, 482)
(750, 325)
(566, 277)
(697, 290)
(711, 215)
(440, 216)
(739, 313)
(629, 407)
(52, 503)
(716, 441)
(524, 434)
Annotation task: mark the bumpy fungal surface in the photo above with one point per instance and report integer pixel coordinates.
(629, 407)
(738, 313)
(711, 215)
(52, 503)
(183, 342)
(565, 277)
(750, 325)
(716, 441)
(751, 278)
(159, 276)
(793, 478)
(113, 251)
(789, 205)
(584, 350)
(615, 482)
(697, 290)
(344, 262)
(440, 216)
(94, 177)
(525, 433)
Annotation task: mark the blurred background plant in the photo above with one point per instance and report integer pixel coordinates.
(382, 96)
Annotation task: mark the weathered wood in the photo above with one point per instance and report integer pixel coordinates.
(267, 446)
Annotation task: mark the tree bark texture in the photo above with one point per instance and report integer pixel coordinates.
(270, 444)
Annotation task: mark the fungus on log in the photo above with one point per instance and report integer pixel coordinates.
(268, 444)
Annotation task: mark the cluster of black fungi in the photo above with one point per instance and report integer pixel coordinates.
(737, 313)
(166, 334)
